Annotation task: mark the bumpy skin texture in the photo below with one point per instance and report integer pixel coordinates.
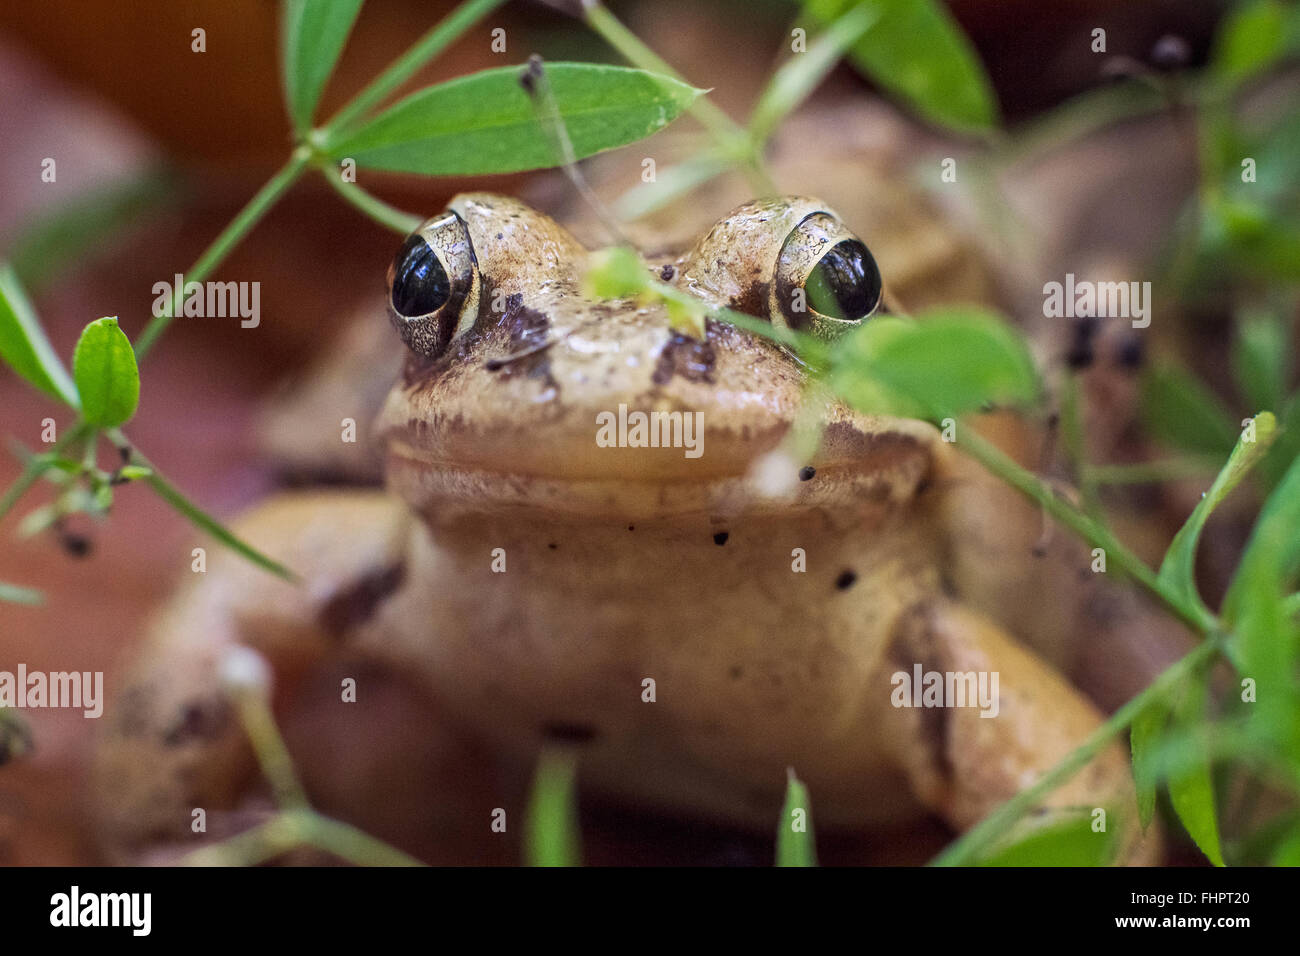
(628, 564)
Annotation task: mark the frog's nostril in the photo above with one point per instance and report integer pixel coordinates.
(569, 733)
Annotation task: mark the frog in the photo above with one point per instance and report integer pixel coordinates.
(690, 634)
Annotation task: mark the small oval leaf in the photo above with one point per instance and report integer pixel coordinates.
(485, 122)
(103, 366)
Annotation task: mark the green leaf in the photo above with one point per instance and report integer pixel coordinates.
(948, 362)
(1181, 412)
(918, 52)
(312, 36)
(1256, 608)
(796, 844)
(1069, 843)
(1178, 569)
(552, 836)
(1261, 359)
(1253, 37)
(1145, 732)
(62, 238)
(23, 344)
(485, 122)
(1287, 852)
(104, 369)
(801, 74)
(615, 273)
(20, 595)
(1192, 791)
(205, 522)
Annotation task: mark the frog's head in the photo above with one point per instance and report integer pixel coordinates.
(519, 387)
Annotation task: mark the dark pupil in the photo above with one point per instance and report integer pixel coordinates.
(420, 283)
(845, 283)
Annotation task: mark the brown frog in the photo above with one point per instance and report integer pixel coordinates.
(547, 573)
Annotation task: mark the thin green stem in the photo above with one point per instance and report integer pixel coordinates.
(235, 231)
(1076, 444)
(35, 467)
(272, 754)
(732, 138)
(1149, 472)
(374, 207)
(349, 843)
(975, 841)
(1081, 524)
(437, 39)
(293, 828)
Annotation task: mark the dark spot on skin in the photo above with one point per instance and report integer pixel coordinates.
(1080, 354)
(528, 331)
(569, 733)
(1131, 353)
(846, 580)
(357, 603)
(923, 485)
(667, 273)
(198, 720)
(807, 472)
(721, 538)
(77, 545)
(736, 672)
(552, 545)
(688, 357)
(631, 527)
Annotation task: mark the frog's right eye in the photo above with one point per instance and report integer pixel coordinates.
(433, 285)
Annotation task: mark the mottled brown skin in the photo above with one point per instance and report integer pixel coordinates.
(625, 564)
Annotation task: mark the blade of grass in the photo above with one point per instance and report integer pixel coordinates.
(799, 76)
(552, 836)
(796, 845)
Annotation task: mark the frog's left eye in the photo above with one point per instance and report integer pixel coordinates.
(826, 278)
(433, 285)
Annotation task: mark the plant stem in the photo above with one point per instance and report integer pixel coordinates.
(968, 847)
(735, 142)
(291, 828)
(437, 39)
(272, 754)
(1148, 472)
(374, 207)
(235, 231)
(1085, 527)
(34, 468)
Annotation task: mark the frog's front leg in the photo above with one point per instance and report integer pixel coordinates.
(1018, 720)
(172, 741)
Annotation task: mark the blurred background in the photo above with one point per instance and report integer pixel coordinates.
(135, 118)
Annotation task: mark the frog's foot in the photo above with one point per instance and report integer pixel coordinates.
(1019, 718)
(173, 743)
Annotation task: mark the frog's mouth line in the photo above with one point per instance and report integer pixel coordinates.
(892, 468)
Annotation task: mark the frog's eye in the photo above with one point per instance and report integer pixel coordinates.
(826, 278)
(433, 285)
